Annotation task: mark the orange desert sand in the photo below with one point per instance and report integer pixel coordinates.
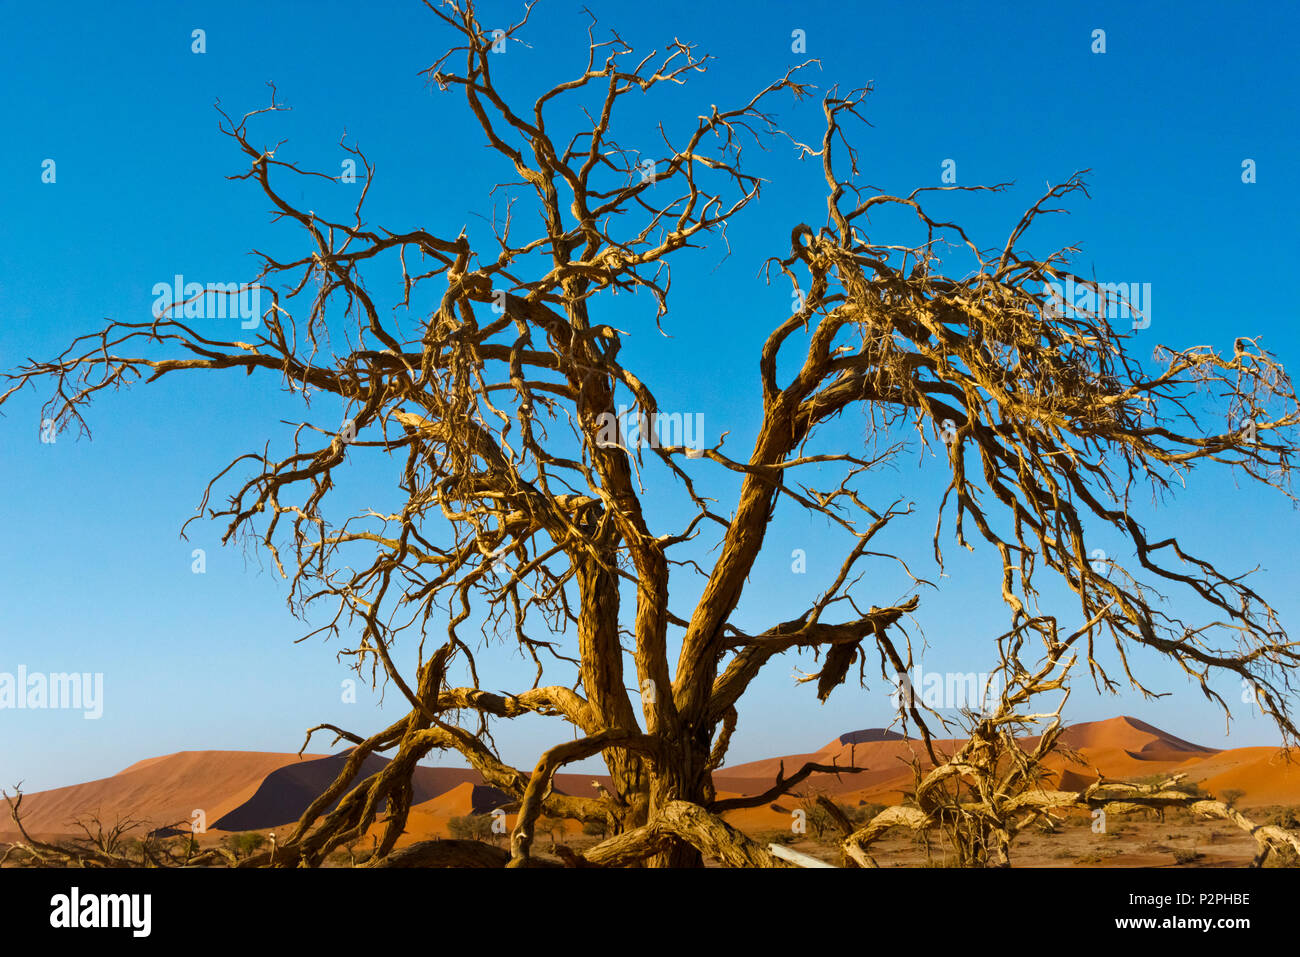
(247, 791)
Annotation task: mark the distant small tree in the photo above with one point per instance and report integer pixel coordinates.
(245, 844)
(471, 827)
(551, 826)
(815, 814)
(1231, 796)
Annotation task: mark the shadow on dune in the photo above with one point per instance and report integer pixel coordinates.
(287, 792)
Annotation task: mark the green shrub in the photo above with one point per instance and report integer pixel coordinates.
(245, 844)
(472, 827)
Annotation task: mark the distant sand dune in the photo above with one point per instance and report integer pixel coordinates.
(245, 790)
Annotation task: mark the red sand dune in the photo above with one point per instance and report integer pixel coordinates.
(161, 791)
(250, 791)
(1119, 748)
(429, 819)
(1259, 772)
(241, 791)
(1129, 734)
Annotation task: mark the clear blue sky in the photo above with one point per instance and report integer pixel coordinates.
(93, 576)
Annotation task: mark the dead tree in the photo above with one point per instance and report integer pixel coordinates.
(107, 845)
(520, 515)
(984, 792)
